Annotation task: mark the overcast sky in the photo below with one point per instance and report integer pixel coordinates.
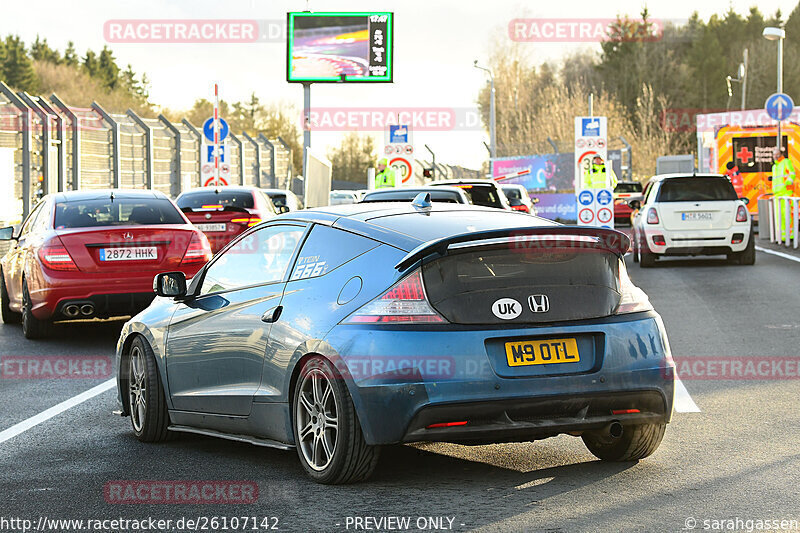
(435, 44)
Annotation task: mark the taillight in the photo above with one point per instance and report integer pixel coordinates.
(55, 256)
(652, 216)
(659, 240)
(447, 424)
(741, 214)
(633, 298)
(250, 221)
(198, 251)
(523, 208)
(405, 302)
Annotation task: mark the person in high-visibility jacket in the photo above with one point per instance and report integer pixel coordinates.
(783, 178)
(384, 177)
(597, 177)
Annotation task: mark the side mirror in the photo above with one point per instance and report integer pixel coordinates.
(170, 284)
(7, 233)
(283, 209)
(745, 199)
(635, 204)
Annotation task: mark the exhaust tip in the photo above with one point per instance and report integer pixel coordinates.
(87, 309)
(71, 310)
(615, 430)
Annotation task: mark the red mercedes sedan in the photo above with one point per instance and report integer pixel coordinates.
(223, 213)
(94, 254)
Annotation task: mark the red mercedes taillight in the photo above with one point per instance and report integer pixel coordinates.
(198, 251)
(741, 214)
(652, 216)
(250, 221)
(55, 256)
(405, 302)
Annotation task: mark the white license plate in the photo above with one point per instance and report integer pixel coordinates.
(139, 253)
(211, 227)
(696, 216)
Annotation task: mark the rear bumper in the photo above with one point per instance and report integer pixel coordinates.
(460, 378)
(699, 242)
(111, 294)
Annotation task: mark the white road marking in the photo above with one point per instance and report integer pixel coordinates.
(47, 414)
(779, 254)
(683, 400)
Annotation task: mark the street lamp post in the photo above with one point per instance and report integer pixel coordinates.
(492, 138)
(777, 34)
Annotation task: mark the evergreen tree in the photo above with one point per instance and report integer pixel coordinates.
(17, 66)
(107, 69)
(70, 56)
(90, 64)
(41, 51)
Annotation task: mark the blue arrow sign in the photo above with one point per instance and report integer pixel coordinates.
(208, 129)
(779, 106)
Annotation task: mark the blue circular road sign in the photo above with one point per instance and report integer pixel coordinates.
(208, 129)
(779, 106)
(604, 197)
(585, 197)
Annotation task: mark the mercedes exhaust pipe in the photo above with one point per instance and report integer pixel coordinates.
(72, 310)
(87, 309)
(615, 430)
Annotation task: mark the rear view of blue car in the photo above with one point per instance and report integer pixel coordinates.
(339, 330)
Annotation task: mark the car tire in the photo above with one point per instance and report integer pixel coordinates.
(147, 405)
(636, 442)
(647, 259)
(635, 251)
(9, 316)
(32, 327)
(748, 255)
(331, 447)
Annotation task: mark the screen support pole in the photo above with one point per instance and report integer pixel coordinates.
(306, 126)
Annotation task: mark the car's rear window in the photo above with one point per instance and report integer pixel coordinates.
(116, 212)
(485, 195)
(696, 190)
(278, 200)
(512, 193)
(199, 199)
(628, 187)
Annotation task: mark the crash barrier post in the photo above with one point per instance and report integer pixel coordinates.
(783, 220)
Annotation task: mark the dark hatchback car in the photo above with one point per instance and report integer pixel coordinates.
(451, 195)
(485, 193)
(337, 330)
(223, 213)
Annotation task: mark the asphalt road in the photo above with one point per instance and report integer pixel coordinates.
(738, 458)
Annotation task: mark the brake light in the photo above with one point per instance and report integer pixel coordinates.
(447, 424)
(624, 411)
(652, 216)
(404, 302)
(55, 256)
(250, 221)
(464, 186)
(741, 214)
(522, 208)
(198, 251)
(633, 298)
(658, 240)
(211, 206)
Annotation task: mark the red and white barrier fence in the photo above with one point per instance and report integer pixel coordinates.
(783, 217)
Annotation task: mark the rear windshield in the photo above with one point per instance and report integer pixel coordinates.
(211, 199)
(628, 187)
(117, 212)
(696, 190)
(512, 193)
(278, 200)
(485, 195)
(406, 196)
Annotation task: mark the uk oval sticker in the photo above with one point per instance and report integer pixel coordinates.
(506, 308)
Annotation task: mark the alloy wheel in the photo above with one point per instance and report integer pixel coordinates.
(317, 419)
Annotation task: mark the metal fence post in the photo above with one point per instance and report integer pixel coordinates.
(258, 157)
(115, 161)
(30, 101)
(76, 141)
(273, 178)
(148, 148)
(175, 180)
(199, 139)
(60, 142)
(26, 146)
(289, 166)
(236, 140)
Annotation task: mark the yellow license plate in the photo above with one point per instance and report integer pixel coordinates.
(544, 352)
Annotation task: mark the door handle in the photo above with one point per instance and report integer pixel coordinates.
(272, 315)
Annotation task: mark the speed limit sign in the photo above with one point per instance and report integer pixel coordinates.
(402, 168)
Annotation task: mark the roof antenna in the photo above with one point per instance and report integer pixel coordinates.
(422, 201)
(112, 196)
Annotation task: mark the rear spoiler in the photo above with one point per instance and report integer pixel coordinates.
(527, 238)
(234, 208)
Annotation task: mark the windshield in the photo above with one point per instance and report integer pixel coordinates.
(117, 212)
(696, 190)
(628, 187)
(211, 199)
(485, 195)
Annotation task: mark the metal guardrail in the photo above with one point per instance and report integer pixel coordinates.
(58, 147)
(783, 217)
